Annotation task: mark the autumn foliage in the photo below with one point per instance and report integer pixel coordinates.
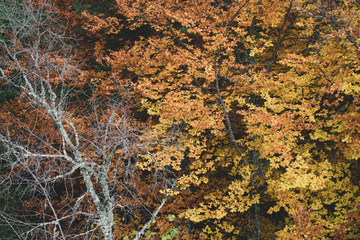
(234, 119)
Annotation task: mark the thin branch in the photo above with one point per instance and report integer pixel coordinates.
(144, 228)
(280, 38)
(227, 119)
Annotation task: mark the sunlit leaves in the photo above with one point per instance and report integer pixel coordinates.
(287, 74)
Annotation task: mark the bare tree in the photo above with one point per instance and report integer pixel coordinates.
(88, 149)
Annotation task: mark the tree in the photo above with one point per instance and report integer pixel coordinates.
(263, 92)
(72, 151)
(251, 106)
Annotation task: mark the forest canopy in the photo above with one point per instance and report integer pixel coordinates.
(176, 119)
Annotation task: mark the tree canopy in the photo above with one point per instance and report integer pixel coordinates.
(176, 119)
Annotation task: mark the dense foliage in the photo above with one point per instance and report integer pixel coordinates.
(177, 119)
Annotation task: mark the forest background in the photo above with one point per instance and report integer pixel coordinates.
(175, 119)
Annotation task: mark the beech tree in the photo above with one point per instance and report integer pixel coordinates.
(72, 151)
(256, 87)
(241, 115)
